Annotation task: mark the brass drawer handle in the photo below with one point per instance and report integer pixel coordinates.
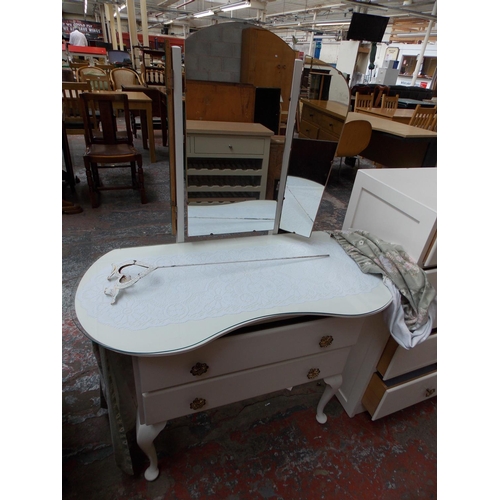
(198, 403)
(326, 341)
(429, 392)
(199, 369)
(313, 373)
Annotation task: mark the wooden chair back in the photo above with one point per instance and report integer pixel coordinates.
(363, 101)
(121, 77)
(389, 102)
(105, 67)
(151, 76)
(71, 107)
(97, 82)
(422, 117)
(434, 123)
(354, 138)
(89, 70)
(380, 90)
(106, 107)
(75, 66)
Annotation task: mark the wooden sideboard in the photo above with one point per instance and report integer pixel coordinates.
(226, 161)
(322, 120)
(398, 206)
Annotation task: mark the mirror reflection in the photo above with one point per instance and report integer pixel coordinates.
(238, 81)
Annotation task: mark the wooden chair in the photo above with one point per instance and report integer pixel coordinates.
(71, 107)
(152, 76)
(389, 102)
(159, 105)
(123, 77)
(75, 66)
(110, 152)
(434, 123)
(363, 101)
(380, 90)
(354, 138)
(97, 82)
(422, 117)
(89, 70)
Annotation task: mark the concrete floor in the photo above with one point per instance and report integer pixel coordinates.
(265, 448)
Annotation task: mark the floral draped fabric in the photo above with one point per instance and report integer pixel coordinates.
(373, 255)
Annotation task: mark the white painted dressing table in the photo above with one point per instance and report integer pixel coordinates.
(203, 336)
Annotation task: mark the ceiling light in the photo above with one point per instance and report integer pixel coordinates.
(333, 23)
(235, 6)
(204, 13)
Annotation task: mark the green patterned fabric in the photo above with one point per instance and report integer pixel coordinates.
(376, 256)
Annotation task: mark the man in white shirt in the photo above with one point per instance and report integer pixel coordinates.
(77, 38)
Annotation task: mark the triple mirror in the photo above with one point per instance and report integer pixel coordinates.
(236, 73)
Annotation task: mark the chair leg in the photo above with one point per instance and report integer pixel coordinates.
(140, 175)
(90, 181)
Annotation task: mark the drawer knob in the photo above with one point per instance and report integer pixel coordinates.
(230, 147)
(313, 373)
(326, 341)
(429, 392)
(199, 369)
(198, 403)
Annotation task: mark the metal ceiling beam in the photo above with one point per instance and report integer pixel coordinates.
(374, 5)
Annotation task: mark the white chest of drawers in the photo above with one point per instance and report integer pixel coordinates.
(398, 206)
(226, 161)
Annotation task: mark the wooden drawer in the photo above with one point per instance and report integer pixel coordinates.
(324, 136)
(397, 360)
(381, 399)
(166, 404)
(227, 146)
(242, 351)
(311, 115)
(309, 130)
(330, 125)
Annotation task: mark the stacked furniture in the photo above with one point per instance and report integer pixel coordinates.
(398, 206)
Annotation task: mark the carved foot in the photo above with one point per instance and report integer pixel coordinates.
(332, 385)
(146, 434)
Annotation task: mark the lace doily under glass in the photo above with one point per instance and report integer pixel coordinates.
(178, 295)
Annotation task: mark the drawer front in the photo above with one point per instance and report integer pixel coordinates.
(309, 130)
(407, 360)
(324, 136)
(381, 400)
(330, 125)
(228, 146)
(204, 395)
(311, 115)
(238, 352)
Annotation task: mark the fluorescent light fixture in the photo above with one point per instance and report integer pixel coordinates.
(332, 23)
(85, 7)
(235, 6)
(204, 13)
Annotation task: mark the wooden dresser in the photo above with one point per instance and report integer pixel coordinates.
(226, 161)
(398, 206)
(322, 120)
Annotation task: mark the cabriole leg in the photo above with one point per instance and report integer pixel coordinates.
(146, 434)
(332, 385)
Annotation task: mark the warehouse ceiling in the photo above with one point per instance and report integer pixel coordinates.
(408, 19)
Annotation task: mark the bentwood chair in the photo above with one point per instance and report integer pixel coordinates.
(75, 66)
(354, 138)
(422, 117)
(389, 102)
(159, 107)
(110, 151)
(363, 101)
(123, 77)
(89, 70)
(97, 82)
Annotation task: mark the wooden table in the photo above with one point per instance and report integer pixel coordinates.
(291, 321)
(395, 144)
(397, 115)
(139, 101)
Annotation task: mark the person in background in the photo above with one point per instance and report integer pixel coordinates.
(77, 38)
